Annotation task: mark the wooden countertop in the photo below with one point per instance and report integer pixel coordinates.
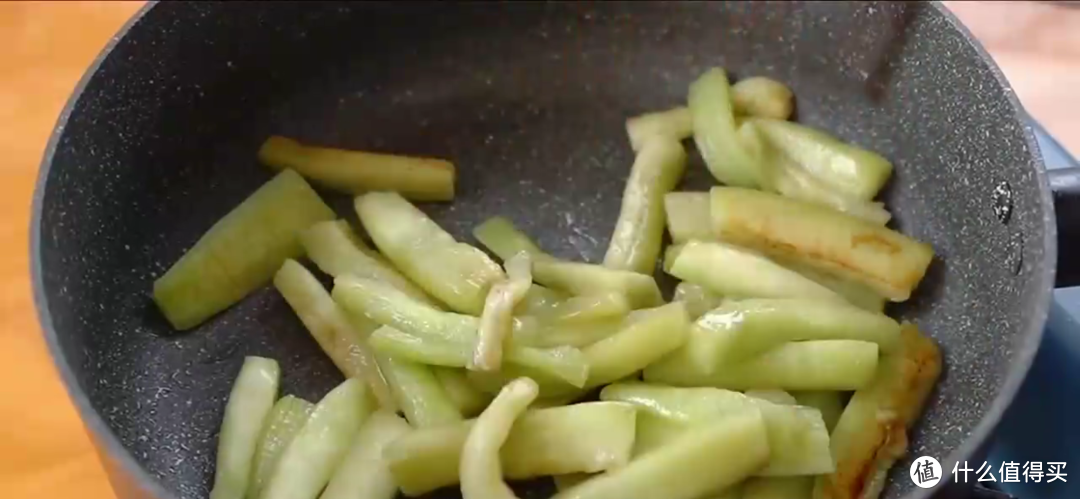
(1037, 46)
(47, 45)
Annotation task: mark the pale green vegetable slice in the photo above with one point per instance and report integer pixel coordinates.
(240, 252)
(654, 431)
(735, 272)
(356, 172)
(500, 236)
(339, 338)
(587, 438)
(581, 438)
(577, 321)
(716, 135)
(775, 396)
(855, 293)
(762, 97)
(585, 309)
(685, 405)
(551, 388)
(804, 365)
(778, 487)
(645, 338)
(871, 434)
(424, 334)
(888, 261)
(657, 169)
(457, 274)
(363, 473)
(588, 279)
(550, 334)
(688, 216)
(697, 299)
(793, 181)
(539, 300)
(671, 254)
(388, 340)
(285, 420)
(797, 435)
(337, 250)
(676, 124)
(855, 171)
(481, 467)
(830, 403)
(756, 96)
(549, 402)
(468, 399)
(250, 402)
(417, 392)
(716, 456)
(309, 460)
(689, 219)
(497, 320)
(386, 305)
(564, 363)
(743, 329)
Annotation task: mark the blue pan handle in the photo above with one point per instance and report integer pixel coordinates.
(980, 492)
(1063, 172)
(1041, 423)
(1065, 184)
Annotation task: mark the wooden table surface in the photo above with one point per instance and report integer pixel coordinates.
(47, 45)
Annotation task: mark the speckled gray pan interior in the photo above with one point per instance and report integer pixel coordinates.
(528, 99)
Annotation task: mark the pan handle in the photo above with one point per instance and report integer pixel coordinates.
(980, 492)
(1065, 185)
(969, 490)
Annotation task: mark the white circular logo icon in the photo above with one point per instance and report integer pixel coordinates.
(925, 472)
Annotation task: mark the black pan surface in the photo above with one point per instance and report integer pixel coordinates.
(528, 100)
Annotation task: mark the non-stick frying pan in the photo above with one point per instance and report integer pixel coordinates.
(528, 99)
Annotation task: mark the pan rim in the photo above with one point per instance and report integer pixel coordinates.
(106, 443)
(111, 450)
(1034, 330)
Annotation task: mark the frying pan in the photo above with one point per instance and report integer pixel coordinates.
(528, 99)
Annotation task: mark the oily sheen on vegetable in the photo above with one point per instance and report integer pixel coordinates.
(461, 372)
